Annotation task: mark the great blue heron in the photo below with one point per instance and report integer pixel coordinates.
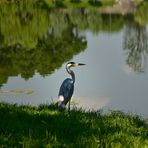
(67, 87)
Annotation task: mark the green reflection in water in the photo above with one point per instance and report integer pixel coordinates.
(34, 38)
(141, 15)
(135, 39)
(136, 46)
(22, 23)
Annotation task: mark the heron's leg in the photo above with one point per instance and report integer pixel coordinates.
(69, 106)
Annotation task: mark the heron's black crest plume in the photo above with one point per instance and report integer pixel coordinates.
(71, 63)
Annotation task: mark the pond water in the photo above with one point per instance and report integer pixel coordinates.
(38, 43)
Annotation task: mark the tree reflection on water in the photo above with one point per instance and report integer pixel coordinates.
(136, 46)
(36, 39)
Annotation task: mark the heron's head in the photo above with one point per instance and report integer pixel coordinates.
(73, 64)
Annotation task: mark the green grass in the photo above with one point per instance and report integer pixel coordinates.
(45, 126)
(80, 4)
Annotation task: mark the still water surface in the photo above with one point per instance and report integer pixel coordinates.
(106, 80)
(115, 75)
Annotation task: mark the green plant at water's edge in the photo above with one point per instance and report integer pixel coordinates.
(45, 126)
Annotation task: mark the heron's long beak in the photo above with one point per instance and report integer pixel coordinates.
(80, 64)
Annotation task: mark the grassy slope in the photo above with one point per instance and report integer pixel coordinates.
(81, 4)
(45, 126)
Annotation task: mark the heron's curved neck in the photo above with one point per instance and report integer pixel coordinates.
(71, 73)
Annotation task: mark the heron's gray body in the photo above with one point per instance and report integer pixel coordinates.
(66, 91)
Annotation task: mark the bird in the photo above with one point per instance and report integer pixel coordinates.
(67, 87)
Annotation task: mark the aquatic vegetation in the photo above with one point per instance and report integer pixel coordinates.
(17, 92)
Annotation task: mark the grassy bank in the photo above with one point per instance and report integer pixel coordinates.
(79, 3)
(45, 126)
